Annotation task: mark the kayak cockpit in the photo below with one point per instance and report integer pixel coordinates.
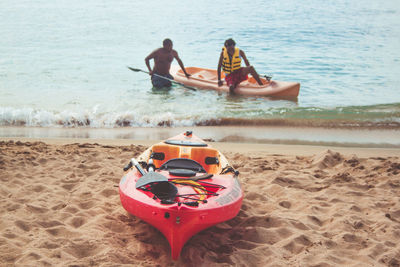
(208, 158)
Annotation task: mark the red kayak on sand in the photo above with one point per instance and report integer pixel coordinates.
(188, 186)
(203, 78)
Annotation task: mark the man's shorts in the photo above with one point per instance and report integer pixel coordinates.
(235, 77)
(159, 82)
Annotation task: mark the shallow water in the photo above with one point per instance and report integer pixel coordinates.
(63, 63)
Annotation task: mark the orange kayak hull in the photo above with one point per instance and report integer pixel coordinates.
(203, 78)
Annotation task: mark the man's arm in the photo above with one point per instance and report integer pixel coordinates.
(221, 57)
(147, 60)
(243, 55)
(181, 64)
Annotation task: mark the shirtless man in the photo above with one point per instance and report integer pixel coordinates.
(162, 62)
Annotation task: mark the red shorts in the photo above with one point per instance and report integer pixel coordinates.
(235, 77)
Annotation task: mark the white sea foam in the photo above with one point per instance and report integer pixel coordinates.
(44, 118)
(91, 118)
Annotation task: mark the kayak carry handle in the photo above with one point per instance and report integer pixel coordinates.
(150, 166)
(137, 166)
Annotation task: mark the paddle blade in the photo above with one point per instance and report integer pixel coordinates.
(151, 177)
(132, 69)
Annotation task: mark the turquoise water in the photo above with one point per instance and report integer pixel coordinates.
(63, 63)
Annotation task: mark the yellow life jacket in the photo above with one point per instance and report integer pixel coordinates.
(230, 66)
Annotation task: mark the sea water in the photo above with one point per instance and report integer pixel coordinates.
(63, 63)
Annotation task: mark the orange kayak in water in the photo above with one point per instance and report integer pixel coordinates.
(188, 186)
(203, 78)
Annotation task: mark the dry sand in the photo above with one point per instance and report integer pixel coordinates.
(304, 206)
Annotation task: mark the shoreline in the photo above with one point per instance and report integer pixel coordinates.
(337, 137)
(224, 147)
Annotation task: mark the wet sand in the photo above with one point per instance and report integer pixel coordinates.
(332, 136)
(303, 206)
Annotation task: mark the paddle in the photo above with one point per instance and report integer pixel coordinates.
(147, 177)
(173, 81)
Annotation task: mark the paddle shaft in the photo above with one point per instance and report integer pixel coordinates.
(138, 167)
(171, 80)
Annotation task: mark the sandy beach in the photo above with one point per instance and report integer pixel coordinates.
(319, 168)
(303, 206)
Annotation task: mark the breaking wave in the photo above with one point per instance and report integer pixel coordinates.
(377, 116)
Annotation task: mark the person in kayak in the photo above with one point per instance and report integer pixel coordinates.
(162, 62)
(230, 61)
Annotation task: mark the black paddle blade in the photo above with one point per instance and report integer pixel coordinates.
(132, 69)
(150, 177)
(128, 166)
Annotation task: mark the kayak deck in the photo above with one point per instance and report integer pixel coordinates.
(212, 76)
(203, 78)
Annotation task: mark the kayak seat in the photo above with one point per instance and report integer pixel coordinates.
(207, 75)
(182, 164)
(204, 74)
(207, 157)
(169, 152)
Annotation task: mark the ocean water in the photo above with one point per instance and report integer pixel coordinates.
(63, 63)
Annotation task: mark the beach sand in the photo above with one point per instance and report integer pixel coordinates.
(303, 206)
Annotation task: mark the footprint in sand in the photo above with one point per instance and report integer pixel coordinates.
(315, 220)
(9, 234)
(39, 188)
(49, 224)
(49, 245)
(36, 209)
(298, 244)
(69, 186)
(60, 231)
(42, 161)
(285, 204)
(71, 179)
(109, 192)
(71, 209)
(258, 235)
(355, 242)
(299, 225)
(286, 182)
(59, 206)
(23, 225)
(243, 244)
(82, 249)
(27, 259)
(255, 196)
(13, 207)
(77, 222)
(86, 205)
(114, 226)
(328, 159)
